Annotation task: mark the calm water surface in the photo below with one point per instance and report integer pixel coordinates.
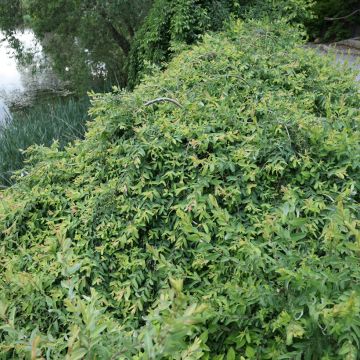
(21, 85)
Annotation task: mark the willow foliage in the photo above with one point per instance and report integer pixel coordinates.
(222, 229)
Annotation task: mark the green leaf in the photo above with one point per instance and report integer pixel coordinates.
(78, 354)
(231, 354)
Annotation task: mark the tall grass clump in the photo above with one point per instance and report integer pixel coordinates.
(220, 225)
(59, 120)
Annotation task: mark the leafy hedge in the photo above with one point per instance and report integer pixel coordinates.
(173, 24)
(222, 229)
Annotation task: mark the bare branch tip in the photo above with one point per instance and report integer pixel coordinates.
(163, 99)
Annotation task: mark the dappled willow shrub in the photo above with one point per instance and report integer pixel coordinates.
(224, 228)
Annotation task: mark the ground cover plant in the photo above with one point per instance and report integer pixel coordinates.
(222, 225)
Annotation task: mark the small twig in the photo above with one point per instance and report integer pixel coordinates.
(288, 134)
(329, 197)
(300, 315)
(342, 17)
(162, 99)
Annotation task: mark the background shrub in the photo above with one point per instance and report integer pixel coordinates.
(171, 25)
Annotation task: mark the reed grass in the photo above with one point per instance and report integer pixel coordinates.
(63, 120)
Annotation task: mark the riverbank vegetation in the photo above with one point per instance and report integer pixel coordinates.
(89, 43)
(62, 120)
(219, 225)
(89, 40)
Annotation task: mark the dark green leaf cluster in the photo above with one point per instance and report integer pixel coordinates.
(224, 228)
(329, 30)
(169, 23)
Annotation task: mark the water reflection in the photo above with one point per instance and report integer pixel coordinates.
(5, 115)
(10, 78)
(20, 85)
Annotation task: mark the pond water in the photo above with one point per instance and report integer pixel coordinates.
(21, 85)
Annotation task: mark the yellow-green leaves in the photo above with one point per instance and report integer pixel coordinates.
(225, 229)
(293, 331)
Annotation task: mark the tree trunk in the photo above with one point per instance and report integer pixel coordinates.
(119, 38)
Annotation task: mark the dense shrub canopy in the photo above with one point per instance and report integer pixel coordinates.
(222, 228)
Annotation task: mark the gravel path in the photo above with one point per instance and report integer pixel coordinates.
(345, 51)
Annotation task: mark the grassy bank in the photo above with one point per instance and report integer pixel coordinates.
(62, 120)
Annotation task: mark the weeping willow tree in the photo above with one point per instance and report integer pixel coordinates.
(83, 38)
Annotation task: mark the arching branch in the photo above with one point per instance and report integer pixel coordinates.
(163, 99)
(342, 17)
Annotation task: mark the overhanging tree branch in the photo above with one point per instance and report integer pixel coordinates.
(163, 99)
(342, 17)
